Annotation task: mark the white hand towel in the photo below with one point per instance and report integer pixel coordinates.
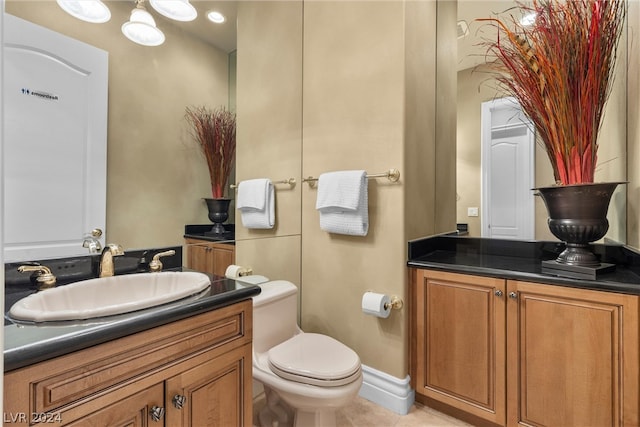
(256, 203)
(343, 202)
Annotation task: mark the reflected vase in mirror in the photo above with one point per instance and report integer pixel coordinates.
(218, 213)
(578, 216)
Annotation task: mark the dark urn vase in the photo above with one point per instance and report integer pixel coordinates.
(578, 216)
(218, 213)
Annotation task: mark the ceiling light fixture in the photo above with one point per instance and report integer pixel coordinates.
(179, 10)
(93, 11)
(215, 16)
(141, 27)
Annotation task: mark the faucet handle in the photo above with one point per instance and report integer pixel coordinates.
(155, 265)
(92, 242)
(43, 275)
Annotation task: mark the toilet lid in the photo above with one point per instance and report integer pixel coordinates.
(315, 359)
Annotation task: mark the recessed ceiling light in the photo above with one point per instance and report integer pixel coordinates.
(216, 17)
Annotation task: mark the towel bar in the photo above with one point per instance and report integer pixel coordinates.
(392, 175)
(290, 181)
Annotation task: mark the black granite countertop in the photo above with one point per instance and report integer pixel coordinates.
(203, 232)
(28, 343)
(522, 260)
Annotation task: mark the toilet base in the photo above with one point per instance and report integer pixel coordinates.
(325, 418)
(276, 413)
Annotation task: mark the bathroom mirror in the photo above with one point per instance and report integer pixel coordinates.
(476, 86)
(156, 175)
(156, 178)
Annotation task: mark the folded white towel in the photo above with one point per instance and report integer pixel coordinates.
(256, 203)
(342, 202)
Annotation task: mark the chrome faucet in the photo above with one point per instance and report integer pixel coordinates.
(106, 260)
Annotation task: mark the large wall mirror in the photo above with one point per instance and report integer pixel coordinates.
(476, 88)
(156, 177)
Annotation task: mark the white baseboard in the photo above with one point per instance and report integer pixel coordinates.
(387, 391)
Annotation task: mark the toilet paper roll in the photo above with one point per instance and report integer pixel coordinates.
(235, 271)
(374, 304)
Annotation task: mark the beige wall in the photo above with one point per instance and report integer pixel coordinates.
(156, 177)
(269, 108)
(633, 128)
(368, 98)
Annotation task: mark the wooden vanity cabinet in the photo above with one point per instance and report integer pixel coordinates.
(192, 372)
(209, 257)
(503, 352)
(572, 356)
(458, 344)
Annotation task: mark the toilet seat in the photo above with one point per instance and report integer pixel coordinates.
(315, 359)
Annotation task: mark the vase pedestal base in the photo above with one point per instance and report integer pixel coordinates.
(576, 271)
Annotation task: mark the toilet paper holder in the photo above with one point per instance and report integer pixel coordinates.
(395, 303)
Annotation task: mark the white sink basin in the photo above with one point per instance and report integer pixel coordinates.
(108, 296)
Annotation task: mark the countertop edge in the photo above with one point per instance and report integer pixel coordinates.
(25, 355)
(525, 276)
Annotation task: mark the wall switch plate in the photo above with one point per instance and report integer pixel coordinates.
(472, 211)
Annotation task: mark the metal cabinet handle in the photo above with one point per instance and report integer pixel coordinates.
(157, 412)
(179, 401)
(513, 295)
(498, 293)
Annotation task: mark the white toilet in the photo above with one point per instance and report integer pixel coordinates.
(313, 374)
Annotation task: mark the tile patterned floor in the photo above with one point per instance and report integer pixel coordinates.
(363, 413)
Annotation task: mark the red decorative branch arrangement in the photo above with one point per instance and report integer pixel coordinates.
(215, 132)
(560, 69)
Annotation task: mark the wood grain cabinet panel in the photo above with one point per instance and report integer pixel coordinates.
(524, 354)
(461, 343)
(133, 411)
(209, 257)
(121, 381)
(211, 394)
(572, 357)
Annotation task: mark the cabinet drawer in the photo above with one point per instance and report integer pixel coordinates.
(69, 379)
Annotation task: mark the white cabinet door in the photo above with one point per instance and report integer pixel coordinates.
(55, 141)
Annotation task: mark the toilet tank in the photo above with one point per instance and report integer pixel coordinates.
(275, 314)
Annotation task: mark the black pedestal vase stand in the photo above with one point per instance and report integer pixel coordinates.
(218, 213)
(578, 216)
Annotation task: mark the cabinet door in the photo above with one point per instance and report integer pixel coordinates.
(133, 411)
(198, 257)
(215, 393)
(461, 342)
(572, 357)
(213, 258)
(222, 258)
